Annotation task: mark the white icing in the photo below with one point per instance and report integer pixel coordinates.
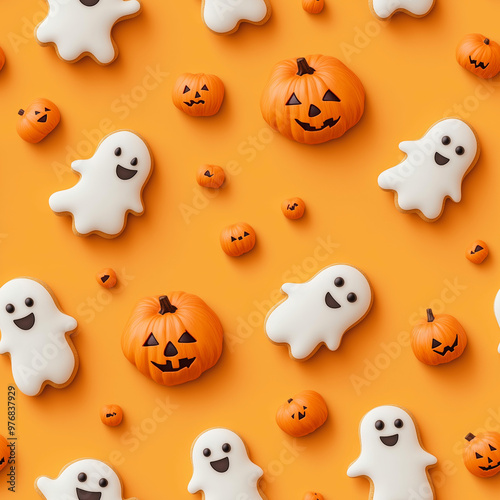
(100, 201)
(38, 347)
(240, 479)
(305, 321)
(65, 486)
(398, 472)
(419, 181)
(496, 307)
(223, 16)
(386, 8)
(77, 29)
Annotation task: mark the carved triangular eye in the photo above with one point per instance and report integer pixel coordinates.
(151, 341)
(186, 338)
(204, 87)
(478, 455)
(245, 234)
(293, 416)
(233, 238)
(435, 343)
(304, 407)
(186, 89)
(492, 448)
(293, 101)
(47, 109)
(37, 112)
(330, 96)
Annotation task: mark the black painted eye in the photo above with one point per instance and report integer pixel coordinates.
(379, 425)
(207, 452)
(226, 447)
(29, 302)
(245, 234)
(435, 343)
(459, 150)
(37, 112)
(293, 101)
(478, 455)
(492, 448)
(330, 96)
(352, 297)
(47, 109)
(151, 341)
(133, 162)
(398, 423)
(204, 87)
(339, 282)
(82, 477)
(186, 89)
(186, 338)
(233, 238)
(446, 140)
(103, 482)
(118, 151)
(10, 308)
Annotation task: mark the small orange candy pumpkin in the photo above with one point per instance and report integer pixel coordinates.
(107, 278)
(482, 454)
(313, 496)
(211, 176)
(293, 208)
(4, 452)
(237, 239)
(173, 338)
(479, 55)
(302, 414)
(39, 119)
(477, 252)
(111, 415)
(313, 6)
(438, 339)
(198, 94)
(2, 58)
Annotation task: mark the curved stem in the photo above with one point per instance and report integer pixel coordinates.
(303, 67)
(166, 306)
(430, 316)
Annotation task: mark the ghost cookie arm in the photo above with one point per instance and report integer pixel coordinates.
(455, 191)
(428, 459)
(357, 468)
(290, 288)
(4, 346)
(136, 205)
(45, 486)
(130, 7)
(194, 485)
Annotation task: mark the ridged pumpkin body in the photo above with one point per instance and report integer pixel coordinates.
(482, 454)
(479, 55)
(477, 252)
(38, 120)
(111, 415)
(313, 496)
(237, 239)
(293, 208)
(313, 6)
(198, 94)
(210, 176)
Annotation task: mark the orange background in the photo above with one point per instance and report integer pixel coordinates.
(412, 80)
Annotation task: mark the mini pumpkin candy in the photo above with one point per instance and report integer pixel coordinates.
(2, 58)
(482, 454)
(313, 99)
(477, 252)
(479, 55)
(107, 278)
(111, 415)
(4, 452)
(173, 338)
(313, 6)
(39, 119)
(438, 339)
(211, 176)
(198, 94)
(302, 414)
(313, 496)
(237, 239)
(293, 208)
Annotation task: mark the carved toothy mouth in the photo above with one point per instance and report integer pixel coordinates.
(221, 465)
(309, 128)
(168, 366)
(448, 348)
(87, 495)
(124, 174)
(490, 467)
(331, 302)
(25, 323)
(478, 64)
(440, 159)
(390, 440)
(191, 102)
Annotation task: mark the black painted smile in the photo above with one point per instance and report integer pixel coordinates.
(331, 302)
(448, 348)
(125, 173)
(25, 323)
(390, 440)
(87, 495)
(478, 64)
(309, 128)
(42, 119)
(440, 159)
(221, 465)
(490, 467)
(191, 102)
(168, 367)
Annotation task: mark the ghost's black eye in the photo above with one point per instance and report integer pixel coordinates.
(133, 162)
(352, 297)
(226, 447)
(103, 482)
(459, 150)
(207, 452)
(379, 425)
(10, 308)
(398, 423)
(82, 477)
(29, 302)
(446, 140)
(186, 89)
(293, 101)
(339, 282)
(330, 96)
(118, 151)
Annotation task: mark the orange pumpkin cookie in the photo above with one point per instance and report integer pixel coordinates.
(237, 239)
(199, 94)
(313, 496)
(477, 252)
(313, 6)
(106, 278)
(479, 55)
(482, 454)
(293, 208)
(38, 120)
(111, 415)
(210, 176)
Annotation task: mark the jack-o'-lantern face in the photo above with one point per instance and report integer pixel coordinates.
(313, 100)
(482, 454)
(477, 252)
(198, 95)
(293, 208)
(173, 338)
(237, 239)
(479, 55)
(111, 415)
(38, 120)
(4, 452)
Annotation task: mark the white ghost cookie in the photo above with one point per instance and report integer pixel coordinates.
(225, 16)
(83, 27)
(222, 469)
(320, 310)
(434, 169)
(110, 187)
(384, 9)
(85, 479)
(392, 457)
(35, 333)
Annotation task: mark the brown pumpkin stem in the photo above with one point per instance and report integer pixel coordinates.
(20, 112)
(487, 41)
(430, 316)
(166, 306)
(290, 400)
(470, 436)
(303, 67)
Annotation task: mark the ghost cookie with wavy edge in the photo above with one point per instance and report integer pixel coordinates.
(385, 9)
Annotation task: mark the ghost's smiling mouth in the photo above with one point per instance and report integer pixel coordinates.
(390, 440)
(440, 159)
(191, 103)
(331, 302)
(490, 467)
(448, 348)
(221, 465)
(87, 495)
(124, 174)
(25, 323)
(309, 128)
(168, 367)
